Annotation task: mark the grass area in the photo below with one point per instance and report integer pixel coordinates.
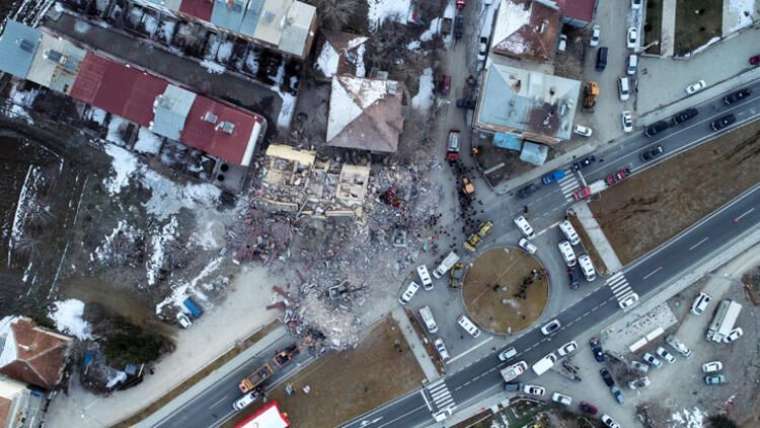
(192, 380)
(492, 287)
(649, 208)
(347, 384)
(653, 25)
(697, 21)
(588, 245)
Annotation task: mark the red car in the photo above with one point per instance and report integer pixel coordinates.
(460, 4)
(582, 193)
(754, 60)
(588, 408)
(618, 176)
(444, 85)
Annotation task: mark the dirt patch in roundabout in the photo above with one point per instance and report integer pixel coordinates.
(505, 290)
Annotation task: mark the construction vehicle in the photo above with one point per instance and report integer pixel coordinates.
(724, 320)
(590, 93)
(472, 242)
(253, 380)
(285, 356)
(456, 275)
(468, 187)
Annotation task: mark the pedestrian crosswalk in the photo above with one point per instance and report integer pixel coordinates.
(569, 184)
(619, 286)
(438, 397)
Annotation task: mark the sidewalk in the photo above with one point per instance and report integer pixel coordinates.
(415, 344)
(668, 28)
(598, 239)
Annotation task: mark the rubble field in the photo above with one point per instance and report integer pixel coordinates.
(346, 384)
(649, 208)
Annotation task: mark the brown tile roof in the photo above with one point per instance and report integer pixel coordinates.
(40, 354)
(536, 39)
(5, 409)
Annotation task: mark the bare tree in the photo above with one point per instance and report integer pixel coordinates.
(336, 14)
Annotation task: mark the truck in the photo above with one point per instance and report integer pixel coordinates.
(456, 275)
(285, 356)
(544, 364)
(723, 322)
(592, 189)
(445, 265)
(556, 175)
(472, 242)
(253, 380)
(510, 373)
(590, 93)
(193, 308)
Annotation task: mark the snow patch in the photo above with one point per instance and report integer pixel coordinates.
(116, 378)
(115, 128)
(225, 51)
(739, 16)
(147, 142)
(424, 98)
(124, 165)
(67, 315)
(382, 10)
(328, 60)
(688, 419)
(159, 243)
(213, 67)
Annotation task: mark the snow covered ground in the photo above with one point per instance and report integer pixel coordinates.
(67, 316)
(738, 14)
(381, 10)
(424, 98)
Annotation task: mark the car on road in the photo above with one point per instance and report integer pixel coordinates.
(736, 96)
(526, 191)
(587, 408)
(562, 45)
(609, 422)
(754, 60)
(624, 88)
(443, 414)
(444, 85)
(512, 386)
(722, 122)
(643, 368)
(551, 327)
(567, 349)
(534, 390)
(563, 399)
(651, 360)
(583, 131)
(626, 118)
(482, 49)
(573, 278)
(715, 379)
(633, 64)
(684, 115)
(587, 267)
(583, 163)
(618, 394)
(568, 255)
(525, 227)
(607, 377)
(712, 367)
(527, 246)
(427, 281)
(245, 400)
(410, 291)
(696, 87)
(553, 176)
(734, 335)
(468, 325)
(632, 39)
(617, 177)
(700, 303)
(596, 35)
(656, 128)
(629, 301)
(596, 349)
(582, 193)
(507, 354)
(652, 153)
(639, 383)
(665, 355)
(441, 348)
(453, 145)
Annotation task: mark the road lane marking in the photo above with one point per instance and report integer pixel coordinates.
(652, 272)
(699, 243)
(422, 392)
(218, 401)
(744, 214)
(416, 409)
(490, 338)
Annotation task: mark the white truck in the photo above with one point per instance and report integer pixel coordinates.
(544, 364)
(445, 265)
(724, 320)
(509, 373)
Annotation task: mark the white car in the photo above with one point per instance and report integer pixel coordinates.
(712, 367)
(632, 40)
(734, 335)
(569, 232)
(562, 46)
(528, 246)
(629, 301)
(563, 399)
(624, 88)
(567, 349)
(468, 326)
(652, 360)
(244, 401)
(696, 87)
(640, 366)
(633, 64)
(609, 422)
(525, 227)
(700, 303)
(583, 131)
(534, 390)
(667, 356)
(483, 49)
(551, 327)
(587, 267)
(443, 414)
(596, 34)
(627, 120)
(636, 4)
(568, 255)
(427, 281)
(639, 383)
(441, 348)
(183, 320)
(410, 291)
(507, 354)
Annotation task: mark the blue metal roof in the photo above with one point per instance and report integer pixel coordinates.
(533, 153)
(507, 141)
(504, 107)
(18, 44)
(228, 15)
(252, 16)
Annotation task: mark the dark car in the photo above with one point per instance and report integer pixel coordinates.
(722, 122)
(736, 96)
(754, 60)
(656, 128)
(512, 386)
(588, 408)
(618, 394)
(652, 153)
(527, 191)
(588, 160)
(458, 27)
(608, 380)
(444, 85)
(573, 277)
(684, 115)
(601, 59)
(596, 349)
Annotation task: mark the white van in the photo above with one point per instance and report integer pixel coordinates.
(427, 282)
(568, 255)
(525, 227)
(624, 87)
(544, 364)
(468, 326)
(427, 317)
(633, 63)
(568, 230)
(587, 267)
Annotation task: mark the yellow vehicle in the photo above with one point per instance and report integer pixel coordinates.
(468, 187)
(456, 275)
(485, 229)
(472, 242)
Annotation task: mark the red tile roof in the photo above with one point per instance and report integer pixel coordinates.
(40, 354)
(236, 147)
(578, 9)
(198, 8)
(116, 88)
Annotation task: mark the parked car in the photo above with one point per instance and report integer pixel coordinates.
(534, 390)
(736, 96)
(553, 176)
(678, 346)
(525, 227)
(633, 64)
(183, 320)
(754, 60)
(551, 327)
(567, 349)
(563, 399)
(596, 34)
(629, 301)
(526, 191)
(562, 45)
(656, 128)
(665, 355)
(427, 281)
(643, 368)
(583, 163)
(587, 267)
(245, 400)
(618, 176)
(639, 383)
(587, 408)
(583, 131)
(632, 40)
(596, 349)
(453, 146)
(441, 348)
(609, 422)
(651, 360)
(568, 231)
(507, 353)
(617, 393)
(527, 246)
(722, 122)
(573, 277)
(607, 377)
(512, 386)
(715, 379)
(409, 292)
(652, 153)
(624, 88)
(712, 367)
(695, 87)
(700, 303)
(684, 115)
(468, 326)
(734, 335)
(482, 49)
(626, 119)
(601, 58)
(568, 255)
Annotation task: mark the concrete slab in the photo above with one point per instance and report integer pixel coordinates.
(415, 344)
(596, 234)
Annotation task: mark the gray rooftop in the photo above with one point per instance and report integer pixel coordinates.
(18, 44)
(170, 111)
